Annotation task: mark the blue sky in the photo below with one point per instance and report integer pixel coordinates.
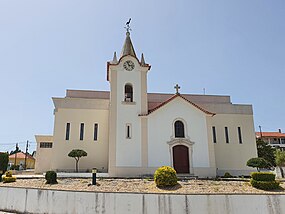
(232, 48)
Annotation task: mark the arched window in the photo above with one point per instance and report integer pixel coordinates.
(179, 129)
(128, 93)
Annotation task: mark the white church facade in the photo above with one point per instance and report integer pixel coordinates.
(129, 132)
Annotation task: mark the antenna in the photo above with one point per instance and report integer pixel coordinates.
(204, 91)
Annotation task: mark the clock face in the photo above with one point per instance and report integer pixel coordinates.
(129, 65)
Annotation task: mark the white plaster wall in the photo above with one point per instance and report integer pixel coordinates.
(160, 130)
(22, 200)
(97, 151)
(233, 155)
(128, 151)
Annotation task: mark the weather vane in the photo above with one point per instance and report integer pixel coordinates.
(128, 28)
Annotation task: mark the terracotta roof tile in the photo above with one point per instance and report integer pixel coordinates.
(21, 155)
(270, 134)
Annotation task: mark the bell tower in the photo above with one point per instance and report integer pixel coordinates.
(128, 99)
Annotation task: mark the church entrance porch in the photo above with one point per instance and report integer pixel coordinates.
(181, 159)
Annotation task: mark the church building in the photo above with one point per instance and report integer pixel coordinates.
(129, 132)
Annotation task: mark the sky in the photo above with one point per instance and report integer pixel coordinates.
(232, 48)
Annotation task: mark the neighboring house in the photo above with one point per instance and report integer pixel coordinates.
(275, 139)
(129, 132)
(19, 159)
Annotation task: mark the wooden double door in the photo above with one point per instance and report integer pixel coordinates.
(181, 159)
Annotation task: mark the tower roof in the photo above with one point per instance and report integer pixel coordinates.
(128, 48)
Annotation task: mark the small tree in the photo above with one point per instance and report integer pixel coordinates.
(258, 163)
(266, 151)
(77, 154)
(280, 160)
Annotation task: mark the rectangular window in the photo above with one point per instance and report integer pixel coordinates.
(227, 134)
(67, 131)
(81, 131)
(214, 134)
(95, 131)
(128, 131)
(45, 145)
(239, 135)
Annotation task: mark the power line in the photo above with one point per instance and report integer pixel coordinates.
(7, 144)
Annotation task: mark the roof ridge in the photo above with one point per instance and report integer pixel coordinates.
(172, 98)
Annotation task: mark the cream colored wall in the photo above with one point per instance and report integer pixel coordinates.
(97, 151)
(233, 156)
(43, 155)
(160, 131)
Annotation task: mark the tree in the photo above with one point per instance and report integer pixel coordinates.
(280, 160)
(4, 159)
(77, 154)
(16, 150)
(266, 151)
(258, 163)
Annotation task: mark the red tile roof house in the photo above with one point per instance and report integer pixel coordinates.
(19, 158)
(276, 139)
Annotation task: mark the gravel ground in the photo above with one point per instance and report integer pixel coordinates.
(145, 186)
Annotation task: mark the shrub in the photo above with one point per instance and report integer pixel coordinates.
(263, 176)
(264, 181)
(165, 176)
(264, 185)
(8, 174)
(4, 159)
(227, 175)
(15, 167)
(8, 178)
(51, 177)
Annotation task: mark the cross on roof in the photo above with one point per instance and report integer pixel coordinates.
(177, 87)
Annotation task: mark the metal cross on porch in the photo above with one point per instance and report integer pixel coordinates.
(177, 87)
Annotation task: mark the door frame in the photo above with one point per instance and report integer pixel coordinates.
(185, 142)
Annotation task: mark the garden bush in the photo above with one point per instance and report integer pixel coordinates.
(51, 177)
(264, 181)
(15, 167)
(227, 175)
(165, 176)
(263, 176)
(8, 178)
(264, 185)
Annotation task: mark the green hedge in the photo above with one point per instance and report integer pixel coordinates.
(51, 177)
(263, 176)
(165, 176)
(264, 185)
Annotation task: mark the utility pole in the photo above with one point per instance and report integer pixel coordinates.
(16, 154)
(27, 145)
(260, 132)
